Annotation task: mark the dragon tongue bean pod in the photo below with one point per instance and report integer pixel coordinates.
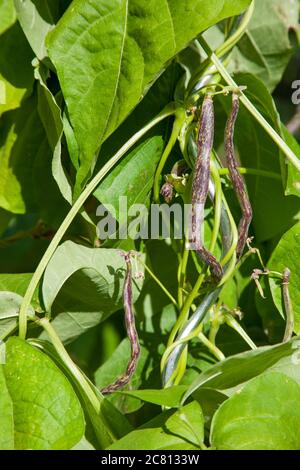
(200, 186)
(236, 178)
(131, 331)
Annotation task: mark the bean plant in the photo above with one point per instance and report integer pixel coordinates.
(132, 341)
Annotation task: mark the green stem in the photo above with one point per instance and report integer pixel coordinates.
(232, 323)
(182, 274)
(178, 123)
(229, 44)
(168, 111)
(254, 172)
(224, 49)
(211, 347)
(251, 108)
(214, 329)
(75, 372)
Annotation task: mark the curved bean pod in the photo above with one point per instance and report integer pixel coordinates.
(131, 332)
(236, 178)
(200, 186)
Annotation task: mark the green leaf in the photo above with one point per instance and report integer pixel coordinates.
(181, 430)
(41, 409)
(273, 322)
(264, 415)
(9, 312)
(50, 115)
(93, 279)
(209, 400)
(83, 444)
(273, 212)
(286, 255)
(7, 14)
(105, 425)
(293, 175)
(52, 206)
(37, 18)
(6, 410)
(242, 367)
(26, 178)
(116, 49)
(16, 74)
(133, 177)
(15, 282)
(170, 397)
(22, 133)
(157, 98)
(265, 48)
(162, 260)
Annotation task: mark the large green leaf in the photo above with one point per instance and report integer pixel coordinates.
(240, 368)
(22, 133)
(170, 397)
(133, 177)
(265, 48)
(286, 255)
(17, 283)
(37, 18)
(181, 430)
(39, 407)
(105, 424)
(16, 74)
(26, 178)
(264, 415)
(83, 444)
(116, 49)
(93, 279)
(7, 14)
(272, 211)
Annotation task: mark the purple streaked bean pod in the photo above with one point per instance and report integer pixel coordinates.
(290, 325)
(200, 186)
(131, 332)
(236, 178)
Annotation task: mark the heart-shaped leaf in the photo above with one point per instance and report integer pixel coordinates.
(264, 415)
(38, 405)
(181, 430)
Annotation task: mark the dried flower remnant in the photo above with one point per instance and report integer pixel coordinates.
(236, 178)
(167, 192)
(131, 331)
